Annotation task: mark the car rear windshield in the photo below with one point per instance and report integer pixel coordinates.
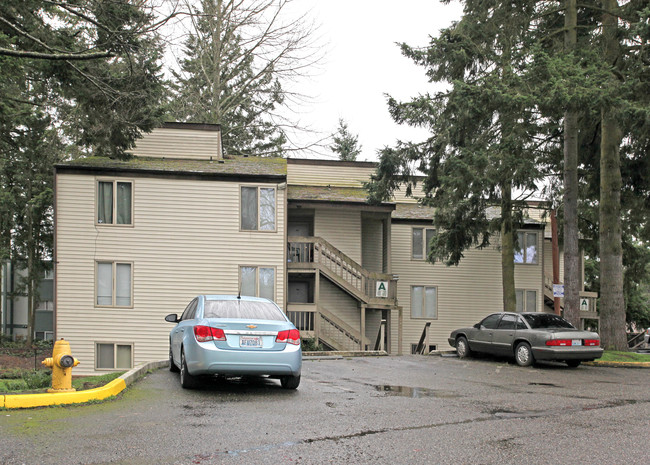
(246, 309)
(546, 320)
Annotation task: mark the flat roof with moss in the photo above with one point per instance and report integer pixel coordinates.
(228, 167)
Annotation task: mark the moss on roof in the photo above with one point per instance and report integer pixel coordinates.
(413, 211)
(327, 193)
(234, 165)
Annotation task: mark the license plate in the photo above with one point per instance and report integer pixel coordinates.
(576, 342)
(250, 341)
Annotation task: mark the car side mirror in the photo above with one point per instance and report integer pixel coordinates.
(172, 318)
(477, 325)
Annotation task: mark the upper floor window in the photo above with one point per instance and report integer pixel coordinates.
(257, 281)
(114, 202)
(113, 286)
(258, 208)
(526, 248)
(421, 242)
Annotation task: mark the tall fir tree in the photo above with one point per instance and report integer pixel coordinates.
(346, 145)
(237, 58)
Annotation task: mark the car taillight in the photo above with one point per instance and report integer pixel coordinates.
(558, 342)
(289, 336)
(592, 342)
(207, 333)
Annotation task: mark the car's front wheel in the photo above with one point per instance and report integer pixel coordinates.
(172, 366)
(290, 382)
(462, 347)
(524, 354)
(187, 380)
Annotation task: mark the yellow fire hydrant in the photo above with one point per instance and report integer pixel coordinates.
(61, 363)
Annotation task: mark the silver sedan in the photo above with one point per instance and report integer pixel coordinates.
(528, 337)
(234, 335)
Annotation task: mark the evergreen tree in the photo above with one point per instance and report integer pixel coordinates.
(85, 74)
(346, 145)
(483, 143)
(236, 59)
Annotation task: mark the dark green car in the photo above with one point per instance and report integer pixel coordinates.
(528, 337)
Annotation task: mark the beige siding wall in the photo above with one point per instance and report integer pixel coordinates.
(531, 276)
(372, 245)
(339, 302)
(548, 260)
(341, 228)
(185, 241)
(328, 175)
(179, 143)
(466, 293)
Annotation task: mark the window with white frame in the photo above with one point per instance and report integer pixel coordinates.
(113, 284)
(257, 281)
(526, 300)
(113, 356)
(421, 242)
(115, 202)
(258, 208)
(424, 302)
(526, 247)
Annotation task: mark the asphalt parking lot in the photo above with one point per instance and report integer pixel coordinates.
(410, 409)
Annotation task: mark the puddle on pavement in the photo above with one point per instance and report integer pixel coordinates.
(414, 392)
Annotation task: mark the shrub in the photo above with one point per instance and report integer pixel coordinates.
(311, 345)
(12, 373)
(14, 385)
(37, 379)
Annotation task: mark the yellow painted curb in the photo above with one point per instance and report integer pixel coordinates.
(78, 397)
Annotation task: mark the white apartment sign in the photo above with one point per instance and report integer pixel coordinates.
(584, 304)
(558, 290)
(382, 289)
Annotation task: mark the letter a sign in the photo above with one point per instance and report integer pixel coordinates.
(382, 289)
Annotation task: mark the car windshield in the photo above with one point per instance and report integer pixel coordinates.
(546, 320)
(243, 309)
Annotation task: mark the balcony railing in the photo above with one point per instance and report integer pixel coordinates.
(317, 252)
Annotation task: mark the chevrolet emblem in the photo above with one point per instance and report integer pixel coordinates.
(251, 326)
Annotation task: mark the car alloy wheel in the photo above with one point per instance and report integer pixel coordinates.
(523, 354)
(462, 347)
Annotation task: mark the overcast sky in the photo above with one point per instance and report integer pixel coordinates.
(362, 63)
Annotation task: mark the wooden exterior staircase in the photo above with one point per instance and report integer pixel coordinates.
(371, 290)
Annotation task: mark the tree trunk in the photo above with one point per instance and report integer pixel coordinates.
(612, 305)
(572, 273)
(507, 250)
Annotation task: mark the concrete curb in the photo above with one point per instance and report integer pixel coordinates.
(79, 397)
(344, 353)
(618, 364)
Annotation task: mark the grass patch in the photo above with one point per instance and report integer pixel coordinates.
(92, 382)
(615, 356)
(37, 381)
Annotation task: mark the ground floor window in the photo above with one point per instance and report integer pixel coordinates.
(113, 356)
(526, 300)
(424, 302)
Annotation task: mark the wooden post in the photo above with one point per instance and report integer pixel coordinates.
(317, 302)
(556, 260)
(363, 326)
(382, 334)
(400, 328)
